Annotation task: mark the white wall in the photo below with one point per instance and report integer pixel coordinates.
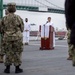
(40, 18)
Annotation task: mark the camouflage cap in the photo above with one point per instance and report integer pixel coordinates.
(11, 7)
(11, 4)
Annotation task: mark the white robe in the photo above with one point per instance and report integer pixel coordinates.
(26, 34)
(44, 31)
(48, 24)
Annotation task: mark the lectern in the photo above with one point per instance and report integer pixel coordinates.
(47, 39)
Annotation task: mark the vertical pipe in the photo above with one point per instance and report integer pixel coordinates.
(1, 15)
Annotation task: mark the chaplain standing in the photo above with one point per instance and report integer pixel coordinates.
(47, 35)
(26, 33)
(50, 23)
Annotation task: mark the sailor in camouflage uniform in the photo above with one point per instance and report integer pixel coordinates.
(70, 20)
(12, 27)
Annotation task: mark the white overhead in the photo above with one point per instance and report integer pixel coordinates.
(56, 4)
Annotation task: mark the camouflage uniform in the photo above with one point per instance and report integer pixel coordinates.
(69, 45)
(11, 27)
(1, 40)
(70, 19)
(72, 47)
(1, 54)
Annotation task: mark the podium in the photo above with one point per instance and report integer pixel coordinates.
(47, 42)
